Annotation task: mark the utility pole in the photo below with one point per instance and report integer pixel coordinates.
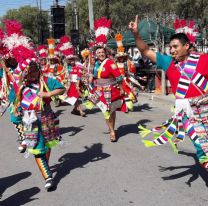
(41, 25)
(91, 16)
(75, 15)
(56, 4)
(75, 28)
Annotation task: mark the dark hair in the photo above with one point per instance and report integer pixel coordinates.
(181, 37)
(34, 65)
(11, 62)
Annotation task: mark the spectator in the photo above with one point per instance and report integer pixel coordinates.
(136, 56)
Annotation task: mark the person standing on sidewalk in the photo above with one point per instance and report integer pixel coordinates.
(188, 76)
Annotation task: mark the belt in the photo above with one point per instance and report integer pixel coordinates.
(105, 82)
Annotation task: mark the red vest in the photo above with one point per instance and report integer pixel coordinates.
(174, 75)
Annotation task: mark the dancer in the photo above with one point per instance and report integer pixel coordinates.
(40, 124)
(32, 95)
(188, 76)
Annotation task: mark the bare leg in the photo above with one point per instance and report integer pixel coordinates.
(111, 125)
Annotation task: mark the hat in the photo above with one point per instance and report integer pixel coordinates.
(13, 37)
(4, 52)
(42, 50)
(181, 26)
(102, 27)
(66, 48)
(51, 48)
(18, 45)
(120, 49)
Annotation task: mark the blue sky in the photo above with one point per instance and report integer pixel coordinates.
(5, 5)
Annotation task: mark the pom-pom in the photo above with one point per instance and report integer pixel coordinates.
(22, 53)
(85, 53)
(118, 37)
(101, 39)
(120, 49)
(176, 24)
(2, 34)
(102, 22)
(13, 27)
(65, 39)
(183, 23)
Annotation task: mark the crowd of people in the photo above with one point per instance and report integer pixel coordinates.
(32, 78)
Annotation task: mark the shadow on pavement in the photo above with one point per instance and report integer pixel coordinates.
(59, 112)
(21, 198)
(9, 181)
(195, 171)
(73, 130)
(130, 128)
(72, 161)
(140, 108)
(92, 111)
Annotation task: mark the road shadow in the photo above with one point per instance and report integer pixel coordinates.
(72, 161)
(21, 198)
(9, 181)
(195, 170)
(59, 112)
(92, 111)
(130, 128)
(73, 130)
(141, 108)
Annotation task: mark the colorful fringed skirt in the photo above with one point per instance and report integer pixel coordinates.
(106, 96)
(43, 133)
(181, 124)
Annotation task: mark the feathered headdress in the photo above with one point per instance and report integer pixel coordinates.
(66, 48)
(101, 27)
(4, 52)
(181, 26)
(18, 45)
(120, 49)
(51, 48)
(42, 51)
(15, 35)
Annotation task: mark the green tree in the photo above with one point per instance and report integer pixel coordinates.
(34, 22)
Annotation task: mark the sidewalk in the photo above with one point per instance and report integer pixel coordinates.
(170, 99)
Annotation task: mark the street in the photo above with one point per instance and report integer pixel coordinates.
(89, 170)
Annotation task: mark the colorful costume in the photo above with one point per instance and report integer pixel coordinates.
(40, 124)
(31, 114)
(189, 81)
(73, 92)
(106, 94)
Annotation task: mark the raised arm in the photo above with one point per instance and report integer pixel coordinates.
(141, 45)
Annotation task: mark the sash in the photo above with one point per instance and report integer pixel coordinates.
(187, 72)
(101, 68)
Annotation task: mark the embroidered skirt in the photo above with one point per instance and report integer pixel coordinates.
(43, 133)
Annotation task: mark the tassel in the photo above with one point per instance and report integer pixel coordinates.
(106, 115)
(88, 104)
(148, 143)
(144, 132)
(173, 145)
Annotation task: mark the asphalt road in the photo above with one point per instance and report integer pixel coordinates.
(89, 170)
